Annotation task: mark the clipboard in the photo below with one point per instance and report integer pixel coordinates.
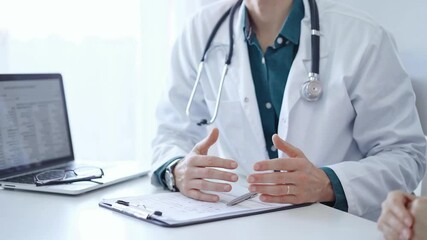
(172, 209)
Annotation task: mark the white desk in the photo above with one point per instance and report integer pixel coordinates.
(27, 215)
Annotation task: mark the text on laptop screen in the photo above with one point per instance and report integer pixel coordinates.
(33, 122)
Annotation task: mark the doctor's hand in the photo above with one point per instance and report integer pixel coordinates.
(192, 172)
(396, 220)
(296, 180)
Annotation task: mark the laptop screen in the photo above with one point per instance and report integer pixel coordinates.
(34, 129)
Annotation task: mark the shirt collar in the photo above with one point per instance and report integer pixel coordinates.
(291, 28)
(247, 28)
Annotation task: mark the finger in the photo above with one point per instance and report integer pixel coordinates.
(388, 233)
(274, 190)
(211, 173)
(292, 199)
(396, 203)
(393, 222)
(203, 146)
(209, 186)
(410, 197)
(201, 196)
(211, 161)
(275, 177)
(287, 148)
(404, 214)
(286, 164)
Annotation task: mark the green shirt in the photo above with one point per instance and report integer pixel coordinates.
(270, 72)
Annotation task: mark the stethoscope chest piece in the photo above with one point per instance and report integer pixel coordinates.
(311, 90)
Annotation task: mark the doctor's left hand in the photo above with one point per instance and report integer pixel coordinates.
(296, 180)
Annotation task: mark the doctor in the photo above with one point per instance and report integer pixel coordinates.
(348, 147)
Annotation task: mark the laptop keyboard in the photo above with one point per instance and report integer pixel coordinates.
(29, 179)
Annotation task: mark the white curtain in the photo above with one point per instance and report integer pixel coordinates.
(114, 57)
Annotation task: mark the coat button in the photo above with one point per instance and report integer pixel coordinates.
(246, 99)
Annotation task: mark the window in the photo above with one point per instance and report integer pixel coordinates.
(113, 56)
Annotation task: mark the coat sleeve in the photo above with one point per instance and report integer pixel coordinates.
(387, 131)
(176, 133)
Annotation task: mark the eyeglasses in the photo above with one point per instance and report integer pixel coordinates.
(79, 174)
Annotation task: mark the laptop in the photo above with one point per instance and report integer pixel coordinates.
(35, 137)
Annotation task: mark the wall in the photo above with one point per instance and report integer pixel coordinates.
(406, 21)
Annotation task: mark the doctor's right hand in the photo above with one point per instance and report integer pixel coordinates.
(192, 172)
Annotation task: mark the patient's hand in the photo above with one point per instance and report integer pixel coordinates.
(396, 220)
(418, 208)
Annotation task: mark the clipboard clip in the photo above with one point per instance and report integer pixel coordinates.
(134, 209)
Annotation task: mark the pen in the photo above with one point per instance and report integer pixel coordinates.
(242, 198)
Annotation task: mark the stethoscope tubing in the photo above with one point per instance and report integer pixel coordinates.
(311, 90)
(315, 37)
(230, 13)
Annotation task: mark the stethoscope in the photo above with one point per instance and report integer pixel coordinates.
(311, 90)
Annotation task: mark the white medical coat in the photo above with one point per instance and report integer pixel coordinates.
(365, 127)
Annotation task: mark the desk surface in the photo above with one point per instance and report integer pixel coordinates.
(28, 215)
